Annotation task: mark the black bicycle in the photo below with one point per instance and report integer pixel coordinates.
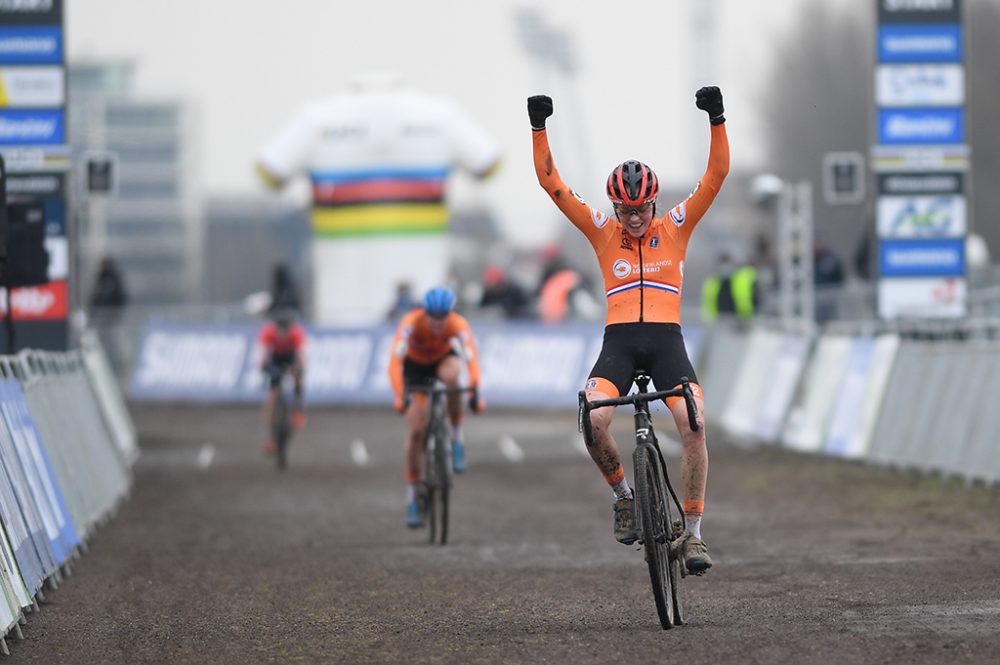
(435, 487)
(281, 416)
(659, 532)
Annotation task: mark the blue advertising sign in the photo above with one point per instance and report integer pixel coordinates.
(921, 126)
(31, 45)
(31, 12)
(36, 462)
(944, 257)
(919, 11)
(920, 43)
(524, 365)
(31, 127)
(925, 182)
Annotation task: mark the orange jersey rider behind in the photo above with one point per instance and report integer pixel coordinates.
(641, 256)
(432, 343)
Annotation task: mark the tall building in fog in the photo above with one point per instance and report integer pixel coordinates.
(151, 224)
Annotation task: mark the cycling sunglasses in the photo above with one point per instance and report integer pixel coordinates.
(626, 211)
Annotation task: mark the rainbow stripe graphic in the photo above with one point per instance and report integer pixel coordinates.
(398, 201)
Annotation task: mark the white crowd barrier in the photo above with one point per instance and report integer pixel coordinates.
(67, 447)
(913, 399)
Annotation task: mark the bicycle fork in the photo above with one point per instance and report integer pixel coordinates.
(646, 437)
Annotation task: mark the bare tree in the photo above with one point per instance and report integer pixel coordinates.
(819, 99)
(983, 104)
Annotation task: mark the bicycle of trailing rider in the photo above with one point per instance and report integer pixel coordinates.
(435, 486)
(660, 535)
(281, 415)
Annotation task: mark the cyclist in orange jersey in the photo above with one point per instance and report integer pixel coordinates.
(642, 259)
(432, 343)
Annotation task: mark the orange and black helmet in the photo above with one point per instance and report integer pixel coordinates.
(632, 183)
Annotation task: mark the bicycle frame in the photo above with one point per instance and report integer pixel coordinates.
(658, 529)
(644, 434)
(281, 428)
(437, 478)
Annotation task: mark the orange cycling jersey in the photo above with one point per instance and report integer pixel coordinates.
(415, 341)
(642, 276)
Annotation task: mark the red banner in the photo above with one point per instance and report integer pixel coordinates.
(48, 302)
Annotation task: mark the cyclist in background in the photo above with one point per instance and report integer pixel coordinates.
(432, 343)
(642, 258)
(283, 341)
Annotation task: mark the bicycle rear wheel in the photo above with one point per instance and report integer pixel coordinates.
(656, 530)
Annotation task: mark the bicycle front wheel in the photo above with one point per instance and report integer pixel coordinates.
(431, 486)
(443, 463)
(656, 530)
(281, 431)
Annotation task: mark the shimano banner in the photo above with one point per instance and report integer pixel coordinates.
(525, 365)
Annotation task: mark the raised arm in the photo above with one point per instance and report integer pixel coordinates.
(591, 221)
(708, 99)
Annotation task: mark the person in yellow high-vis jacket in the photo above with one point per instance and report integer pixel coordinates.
(729, 292)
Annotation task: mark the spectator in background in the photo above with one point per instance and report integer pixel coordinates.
(828, 269)
(564, 296)
(552, 262)
(828, 276)
(107, 304)
(500, 291)
(731, 292)
(284, 295)
(403, 303)
(109, 294)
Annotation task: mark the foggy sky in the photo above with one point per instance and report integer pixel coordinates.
(246, 66)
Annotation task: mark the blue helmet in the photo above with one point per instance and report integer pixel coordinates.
(439, 301)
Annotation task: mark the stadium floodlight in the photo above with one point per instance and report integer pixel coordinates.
(765, 189)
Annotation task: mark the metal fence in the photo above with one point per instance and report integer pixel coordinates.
(67, 447)
(912, 395)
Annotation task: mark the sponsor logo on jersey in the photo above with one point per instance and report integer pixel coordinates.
(591, 384)
(654, 242)
(600, 219)
(679, 214)
(655, 266)
(577, 197)
(622, 268)
(626, 240)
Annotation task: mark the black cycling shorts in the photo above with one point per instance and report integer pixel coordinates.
(422, 374)
(276, 366)
(657, 348)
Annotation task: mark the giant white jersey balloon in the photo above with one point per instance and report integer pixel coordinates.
(378, 156)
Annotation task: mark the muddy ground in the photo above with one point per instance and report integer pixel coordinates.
(219, 558)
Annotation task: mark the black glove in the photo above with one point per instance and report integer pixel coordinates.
(539, 108)
(475, 404)
(709, 100)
